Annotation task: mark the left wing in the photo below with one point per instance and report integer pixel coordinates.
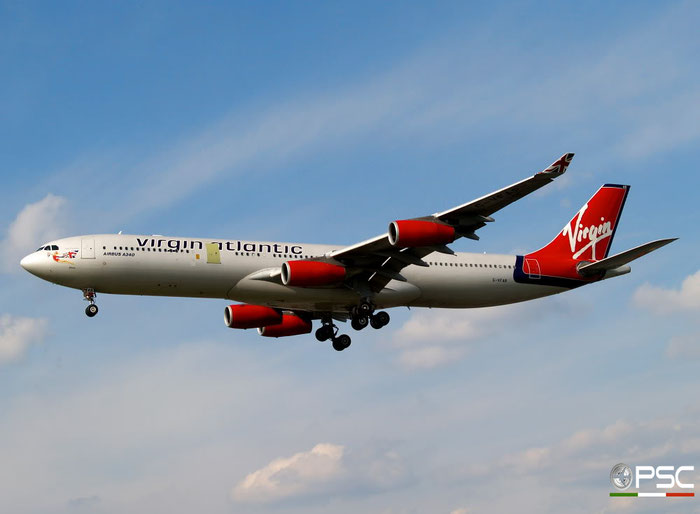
(379, 260)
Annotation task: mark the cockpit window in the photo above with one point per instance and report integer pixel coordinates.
(43, 248)
(54, 247)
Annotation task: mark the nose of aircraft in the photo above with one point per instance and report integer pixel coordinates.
(32, 263)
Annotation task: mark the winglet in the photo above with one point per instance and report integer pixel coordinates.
(559, 166)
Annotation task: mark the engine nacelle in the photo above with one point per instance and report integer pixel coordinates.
(291, 325)
(251, 316)
(311, 273)
(410, 233)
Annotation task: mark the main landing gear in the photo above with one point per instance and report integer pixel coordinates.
(360, 316)
(329, 331)
(89, 295)
(364, 315)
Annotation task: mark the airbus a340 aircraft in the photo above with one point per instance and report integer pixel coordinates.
(282, 287)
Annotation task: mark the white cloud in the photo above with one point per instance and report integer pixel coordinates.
(432, 338)
(326, 468)
(684, 347)
(430, 356)
(663, 300)
(686, 299)
(660, 300)
(300, 474)
(35, 224)
(16, 334)
(593, 449)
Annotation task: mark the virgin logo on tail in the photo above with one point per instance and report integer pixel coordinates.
(591, 235)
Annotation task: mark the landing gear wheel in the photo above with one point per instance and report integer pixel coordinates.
(324, 333)
(379, 320)
(341, 342)
(91, 310)
(359, 322)
(364, 309)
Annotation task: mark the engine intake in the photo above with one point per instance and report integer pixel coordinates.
(291, 325)
(251, 316)
(311, 273)
(410, 233)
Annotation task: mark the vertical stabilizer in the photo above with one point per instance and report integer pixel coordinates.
(589, 234)
(586, 238)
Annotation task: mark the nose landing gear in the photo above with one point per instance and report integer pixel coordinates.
(89, 295)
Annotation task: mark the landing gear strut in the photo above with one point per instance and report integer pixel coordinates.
(89, 295)
(360, 315)
(328, 330)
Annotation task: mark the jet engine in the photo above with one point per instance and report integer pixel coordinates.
(291, 325)
(410, 233)
(251, 316)
(311, 273)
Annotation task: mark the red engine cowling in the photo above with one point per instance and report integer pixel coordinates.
(291, 326)
(251, 316)
(410, 233)
(311, 273)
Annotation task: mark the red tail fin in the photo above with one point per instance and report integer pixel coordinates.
(587, 237)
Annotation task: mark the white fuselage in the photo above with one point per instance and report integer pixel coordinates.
(244, 271)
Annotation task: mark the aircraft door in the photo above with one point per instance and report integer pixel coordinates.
(87, 250)
(532, 268)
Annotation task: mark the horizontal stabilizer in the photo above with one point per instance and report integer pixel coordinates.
(622, 258)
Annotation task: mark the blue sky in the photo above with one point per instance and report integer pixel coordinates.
(322, 122)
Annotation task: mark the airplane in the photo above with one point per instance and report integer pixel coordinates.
(282, 287)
